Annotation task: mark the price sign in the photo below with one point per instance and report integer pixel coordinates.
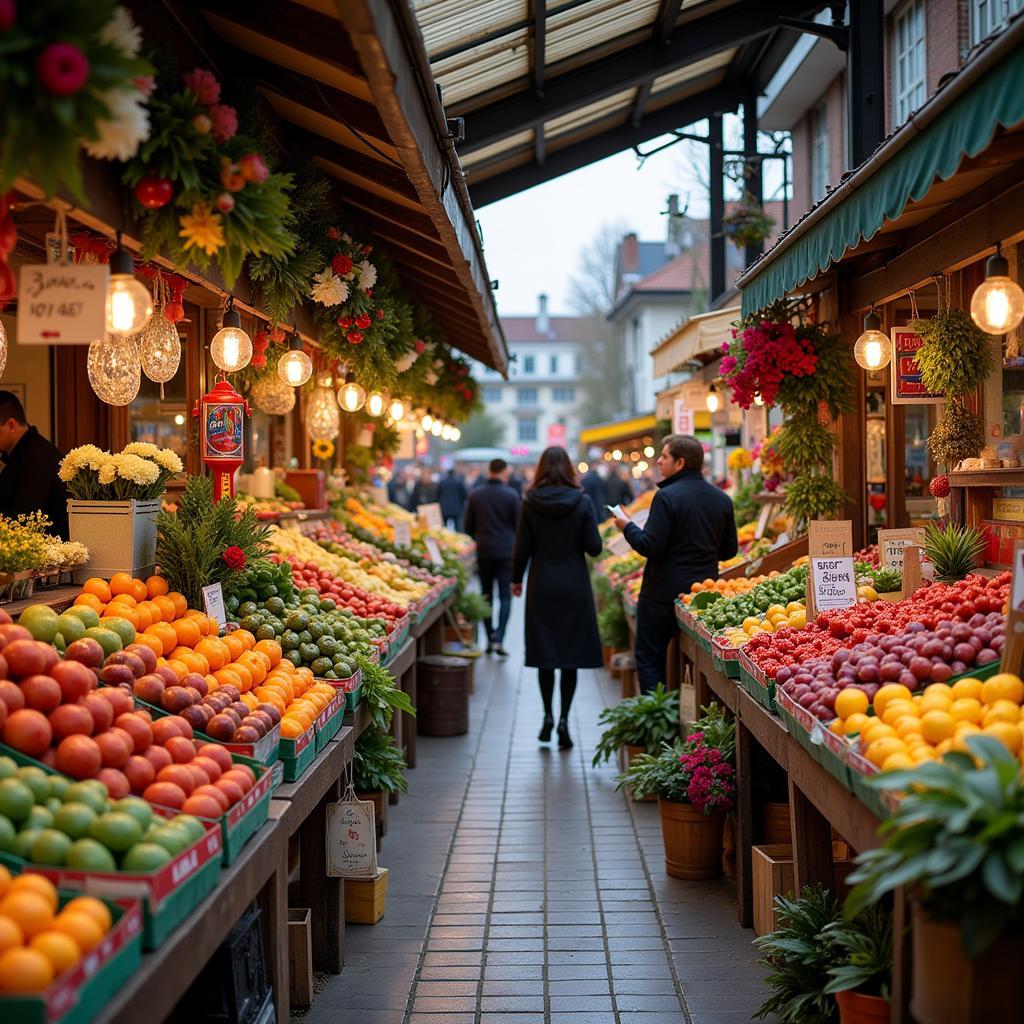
(826, 538)
(893, 543)
(834, 583)
(431, 515)
(213, 602)
(351, 840)
(62, 304)
(433, 551)
(403, 532)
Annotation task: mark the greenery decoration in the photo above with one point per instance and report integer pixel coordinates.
(747, 223)
(382, 697)
(377, 763)
(862, 948)
(813, 496)
(612, 625)
(958, 435)
(956, 354)
(648, 720)
(473, 606)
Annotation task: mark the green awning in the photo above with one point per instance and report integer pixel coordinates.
(859, 208)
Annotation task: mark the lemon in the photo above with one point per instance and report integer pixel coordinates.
(895, 762)
(837, 726)
(1002, 686)
(775, 609)
(795, 606)
(966, 709)
(934, 702)
(1007, 734)
(798, 619)
(880, 750)
(856, 722)
(749, 622)
(969, 687)
(908, 726)
(896, 709)
(937, 726)
(876, 729)
(1001, 711)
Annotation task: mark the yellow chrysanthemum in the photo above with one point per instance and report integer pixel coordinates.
(740, 459)
(202, 229)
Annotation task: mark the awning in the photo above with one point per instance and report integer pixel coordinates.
(606, 433)
(959, 121)
(699, 336)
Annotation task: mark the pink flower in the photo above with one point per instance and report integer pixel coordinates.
(62, 68)
(223, 122)
(203, 85)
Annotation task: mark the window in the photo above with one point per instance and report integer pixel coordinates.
(554, 364)
(576, 365)
(563, 394)
(989, 15)
(492, 396)
(528, 364)
(526, 396)
(820, 171)
(908, 61)
(527, 430)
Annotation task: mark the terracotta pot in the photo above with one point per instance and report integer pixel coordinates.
(948, 988)
(693, 841)
(858, 1008)
(775, 824)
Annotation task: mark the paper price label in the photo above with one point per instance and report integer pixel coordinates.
(892, 545)
(828, 538)
(213, 602)
(433, 551)
(351, 840)
(834, 583)
(431, 515)
(62, 304)
(403, 533)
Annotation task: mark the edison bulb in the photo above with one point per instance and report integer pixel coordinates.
(427, 422)
(231, 347)
(436, 427)
(352, 395)
(115, 369)
(712, 401)
(446, 433)
(129, 303)
(397, 410)
(456, 434)
(295, 367)
(648, 451)
(160, 349)
(997, 305)
(872, 350)
(617, 455)
(323, 420)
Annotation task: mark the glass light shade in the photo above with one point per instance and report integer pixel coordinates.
(397, 410)
(427, 422)
(115, 371)
(446, 433)
(295, 367)
(323, 418)
(129, 303)
(159, 349)
(617, 455)
(712, 401)
(352, 395)
(273, 396)
(997, 305)
(436, 427)
(3, 348)
(231, 347)
(872, 350)
(376, 403)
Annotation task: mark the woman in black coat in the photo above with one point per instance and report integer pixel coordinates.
(557, 528)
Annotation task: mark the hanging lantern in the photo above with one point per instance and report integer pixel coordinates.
(222, 412)
(295, 367)
(272, 396)
(397, 410)
(3, 348)
(231, 347)
(323, 420)
(713, 401)
(872, 350)
(159, 349)
(352, 395)
(376, 403)
(129, 304)
(997, 305)
(114, 369)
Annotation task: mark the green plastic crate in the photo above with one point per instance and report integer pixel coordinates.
(329, 720)
(799, 723)
(763, 694)
(298, 754)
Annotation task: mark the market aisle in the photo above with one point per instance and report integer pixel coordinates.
(554, 905)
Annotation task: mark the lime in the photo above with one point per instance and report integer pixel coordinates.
(137, 808)
(116, 830)
(192, 825)
(145, 857)
(59, 786)
(8, 767)
(41, 621)
(16, 799)
(88, 615)
(37, 780)
(23, 841)
(39, 817)
(75, 819)
(172, 838)
(89, 855)
(53, 804)
(60, 643)
(122, 627)
(50, 847)
(71, 627)
(7, 833)
(107, 639)
(86, 793)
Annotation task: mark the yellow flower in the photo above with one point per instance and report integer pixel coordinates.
(740, 459)
(108, 471)
(323, 449)
(166, 459)
(202, 229)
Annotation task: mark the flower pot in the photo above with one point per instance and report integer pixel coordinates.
(775, 824)
(120, 536)
(949, 988)
(693, 841)
(858, 1008)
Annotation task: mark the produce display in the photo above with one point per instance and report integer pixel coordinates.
(726, 588)
(778, 590)
(360, 602)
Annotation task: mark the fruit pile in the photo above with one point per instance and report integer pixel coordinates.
(775, 617)
(39, 939)
(261, 581)
(362, 603)
(776, 591)
(727, 588)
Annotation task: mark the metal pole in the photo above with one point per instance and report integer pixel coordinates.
(753, 178)
(717, 197)
(865, 78)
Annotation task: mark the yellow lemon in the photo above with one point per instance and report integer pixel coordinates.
(876, 729)
(937, 726)
(1007, 734)
(750, 621)
(938, 689)
(897, 761)
(795, 606)
(907, 726)
(1002, 686)
(851, 701)
(888, 693)
(772, 609)
(966, 709)
(1001, 711)
(969, 687)
(837, 726)
(798, 619)
(880, 750)
(935, 702)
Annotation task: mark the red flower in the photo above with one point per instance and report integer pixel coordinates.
(333, 234)
(62, 68)
(234, 557)
(344, 322)
(939, 487)
(341, 265)
(259, 361)
(204, 86)
(380, 313)
(419, 345)
(355, 337)
(223, 122)
(363, 321)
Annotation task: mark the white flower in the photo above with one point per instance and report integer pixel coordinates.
(168, 460)
(430, 378)
(127, 127)
(137, 470)
(73, 553)
(329, 289)
(122, 33)
(367, 275)
(143, 448)
(406, 361)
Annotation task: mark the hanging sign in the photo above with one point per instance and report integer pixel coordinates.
(827, 538)
(430, 515)
(403, 533)
(213, 602)
(351, 839)
(682, 418)
(433, 551)
(892, 543)
(907, 386)
(62, 304)
(834, 583)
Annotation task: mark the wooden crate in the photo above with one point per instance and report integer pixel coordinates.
(300, 956)
(366, 898)
(772, 875)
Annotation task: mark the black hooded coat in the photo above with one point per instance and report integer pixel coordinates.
(557, 528)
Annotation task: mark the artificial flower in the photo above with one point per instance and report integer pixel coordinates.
(323, 449)
(328, 289)
(405, 361)
(168, 460)
(122, 33)
(120, 135)
(204, 86)
(143, 448)
(108, 472)
(62, 68)
(367, 275)
(202, 229)
(223, 122)
(234, 557)
(341, 264)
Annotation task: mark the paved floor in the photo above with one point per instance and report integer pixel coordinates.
(525, 890)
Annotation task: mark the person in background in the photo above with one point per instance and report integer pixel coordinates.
(618, 489)
(593, 487)
(29, 481)
(425, 491)
(452, 494)
(691, 528)
(491, 514)
(557, 530)
(399, 490)
(515, 481)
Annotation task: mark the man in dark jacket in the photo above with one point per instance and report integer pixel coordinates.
(617, 487)
(491, 515)
(451, 493)
(425, 491)
(691, 528)
(593, 487)
(29, 481)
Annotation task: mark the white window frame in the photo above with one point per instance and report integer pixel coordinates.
(564, 393)
(524, 423)
(989, 15)
(529, 362)
(553, 364)
(909, 61)
(528, 398)
(820, 142)
(492, 395)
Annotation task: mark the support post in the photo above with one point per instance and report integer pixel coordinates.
(865, 78)
(753, 179)
(717, 189)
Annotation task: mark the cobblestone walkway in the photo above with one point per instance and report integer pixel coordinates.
(524, 890)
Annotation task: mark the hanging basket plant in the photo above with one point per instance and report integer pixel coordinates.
(956, 354)
(747, 223)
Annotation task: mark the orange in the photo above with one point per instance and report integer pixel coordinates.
(61, 950)
(92, 601)
(187, 632)
(98, 588)
(271, 648)
(966, 709)
(243, 674)
(1002, 686)
(166, 608)
(211, 679)
(166, 635)
(851, 701)
(200, 620)
(95, 908)
(5, 879)
(125, 599)
(969, 687)
(156, 586)
(887, 693)
(250, 700)
(256, 666)
(84, 929)
(154, 643)
(121, 583)
(246, 637)
(31, 912)
(228, 677)
(24, 970)
(38, 884)
(124, 612)
(291, 728)
(179, 668)
(212, 626)
(139, 590)
(196, 662)
(144, 615)
(234, 644)
(180, 603)
(11, 934)
(213, 651)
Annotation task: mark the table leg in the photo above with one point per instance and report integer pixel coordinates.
(702, 691)
(901, 958)
(325, 896)
(745, 826)
(396, 730)
(672, 666)
(812, 842)
(273, 901)
(408, 684)
(432, 640)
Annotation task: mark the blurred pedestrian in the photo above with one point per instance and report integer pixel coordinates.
(425, 491)
(399, 490)
(617, 487)
(452, 494)
(593, 487)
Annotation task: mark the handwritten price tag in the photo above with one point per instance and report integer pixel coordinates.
(351, 840)
(403, 533)
(834, 583)
(62, 305)
(213, 601)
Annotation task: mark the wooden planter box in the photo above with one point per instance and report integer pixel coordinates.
(300, 956)
(366, 898)
(772, 875)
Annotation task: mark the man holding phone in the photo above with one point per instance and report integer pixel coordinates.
(691, 528)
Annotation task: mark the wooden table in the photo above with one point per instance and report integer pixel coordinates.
(403, 667)
(57, 598)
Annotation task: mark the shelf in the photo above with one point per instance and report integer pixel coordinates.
(988, 478)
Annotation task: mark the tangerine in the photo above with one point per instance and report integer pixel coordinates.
(271, 648)
(851, 701)
(246, 637)
(166, 608)
(887, 693)
(24, 970)
(98, 587)
(91, 601)
(236, 647)
(156, 586)
(180, 603)
(121, 583)
(95, 908)
(83, 928)
(11, 934)
(154, 643)
(214, 652)
(139, 590)
(1002, 686)
(61, 950)
(31, 912)
(39, 884)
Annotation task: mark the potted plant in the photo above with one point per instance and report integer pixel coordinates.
(470, 608)
(638, 724)
(693, 781)
(747, 223)
(862, 973)
(956, 840)
(378, 768)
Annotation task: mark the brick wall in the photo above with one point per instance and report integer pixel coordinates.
(801, 169)
(946, 36)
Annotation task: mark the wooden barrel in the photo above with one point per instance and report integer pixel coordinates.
(693, 841)
(442, 695)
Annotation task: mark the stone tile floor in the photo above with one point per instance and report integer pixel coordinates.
(524, 889)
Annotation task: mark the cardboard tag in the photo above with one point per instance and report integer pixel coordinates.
(763, 519)
(213, 602)
(351, 840)
(430, 515)
(62, 304)
(827, 538)
(913, 577)
(433, 550)
(892, 543)
(833, 583)
(403, 533)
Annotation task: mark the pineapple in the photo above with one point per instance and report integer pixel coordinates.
(953, 551)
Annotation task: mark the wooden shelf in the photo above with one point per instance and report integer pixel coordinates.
(988, 478)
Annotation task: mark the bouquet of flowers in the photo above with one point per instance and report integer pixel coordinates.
(758, 361)
(139, 472)
(23, 542)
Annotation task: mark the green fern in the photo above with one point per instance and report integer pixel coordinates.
(382, 697)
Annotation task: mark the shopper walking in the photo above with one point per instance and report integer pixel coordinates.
(491, 513)
(691, 528)
(452, 494)
(557, 529)
(617, 487)
(399, 490)
(593, 486)
(425, 491)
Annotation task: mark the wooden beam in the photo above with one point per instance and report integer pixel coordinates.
(386, 209)
(668, 15)
(539, 45)
(643, 94)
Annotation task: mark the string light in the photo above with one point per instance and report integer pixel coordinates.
(713, 400)
(426, 422)
(352, 395)
(231, 347)
(129, 304)
(376, 403)
(446, 433)
(295, 367)
(649, 452)
(456, 434)
(872, 350)
(583, 467)
(436, 427)
(323, 419)
(997, 305)
(617, 455)
(397, 410)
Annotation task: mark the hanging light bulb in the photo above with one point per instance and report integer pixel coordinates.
(427, 422)
(617, 455)
(3, 347)
(648, 451)
(446, 433)
(323, 419)
(997, 305)
(713, 400)
(376, 402)
(159, 349)
(129, 304)
(397, 410)
(872, 350)
(758, 400)
(295, 367)
(231, 347)
(115, 372)
(436, 427)
(456, 434)
(352, 395)
(273, 396)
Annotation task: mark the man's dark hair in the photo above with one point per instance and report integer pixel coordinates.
(496, 466)
(11, 408)
(684, 446)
